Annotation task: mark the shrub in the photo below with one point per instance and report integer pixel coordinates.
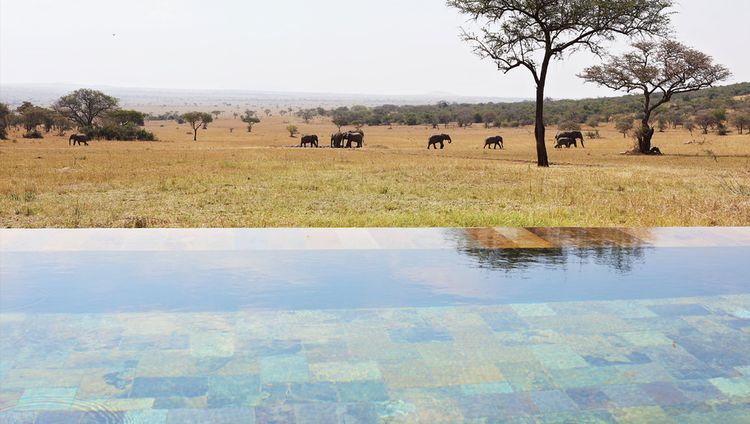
(721, 129)
(292, 130)
(593, 135)
(33, 134)
(127, 132)
(569, 126)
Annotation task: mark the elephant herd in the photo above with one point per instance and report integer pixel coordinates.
(356, 138)
(339, 140)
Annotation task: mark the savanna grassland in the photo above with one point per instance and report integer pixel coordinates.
(259, 179)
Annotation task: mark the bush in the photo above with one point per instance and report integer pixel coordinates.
(33, 134)
(721, 129)
(593, 135)
(569, 126)
(127, 132)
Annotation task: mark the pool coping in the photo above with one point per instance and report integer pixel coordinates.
(254, 239)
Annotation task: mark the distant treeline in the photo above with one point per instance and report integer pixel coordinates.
(715, 102)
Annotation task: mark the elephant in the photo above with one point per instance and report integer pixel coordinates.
(357, 137)
(575, 135)
(565, 141)
(312, 140)
(337, 140)
(438, 139)
(78, 139)
(496, 141)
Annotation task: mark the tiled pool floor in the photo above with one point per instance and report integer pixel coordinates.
(673, 359)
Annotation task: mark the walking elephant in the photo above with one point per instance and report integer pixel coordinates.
(354, 137)
(438, 139)
(312, 140)
(575, 135)
(565, 141)
(78, 139)
(494, 142)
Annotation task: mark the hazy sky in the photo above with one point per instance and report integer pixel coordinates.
(333, 46)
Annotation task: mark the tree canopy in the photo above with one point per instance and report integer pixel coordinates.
(84, 106)
(250, 118)
(197, 120)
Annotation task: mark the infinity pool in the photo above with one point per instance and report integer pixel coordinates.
(366, 326)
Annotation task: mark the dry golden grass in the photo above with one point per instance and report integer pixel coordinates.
(258, 180)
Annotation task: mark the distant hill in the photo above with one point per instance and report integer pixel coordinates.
(46, 94)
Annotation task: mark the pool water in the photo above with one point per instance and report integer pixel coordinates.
(366, 326)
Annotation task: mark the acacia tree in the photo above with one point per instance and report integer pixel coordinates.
(531, 33)
(624, 126)
(84, 106)
(741, 120)
(197, 120)
(250, 119)
(659, 70)
(5, 117)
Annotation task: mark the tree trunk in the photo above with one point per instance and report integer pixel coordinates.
(541, 148)
(195, 134)
(644, 137)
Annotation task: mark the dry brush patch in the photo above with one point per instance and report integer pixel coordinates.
(257, 179)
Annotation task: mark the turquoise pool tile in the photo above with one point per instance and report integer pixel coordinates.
(498, 406)
(9, 398)
(486, 388)
(17, 417)
(733, 387)
(577, 417)
(419, 334)
(699, 390)
(621, 358)
(362, 391)
(642, 414)
(504, 321)
(46, 399)
(155, 387)
(362, 412)
(275, 414)
(153, 416)
(629, 309)
(589, 398)
(284, 369)
(627, 395)
(318, 413)
(234, 391)
(647, 338)
(558, 357)
(99, 417)
(261, 348)
(527, 376)
(533, 310)
(299, 393)
(664, 393)
(672, 310)
(59, 417)
(550, 401)
(213, 416)
(345, 371)
(212, 344)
